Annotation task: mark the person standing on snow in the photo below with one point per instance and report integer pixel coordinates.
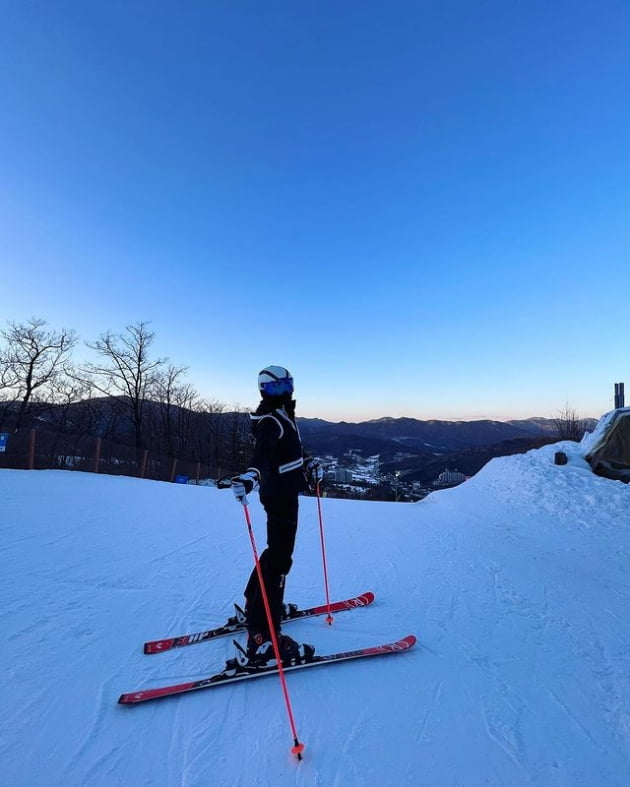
(279, 469)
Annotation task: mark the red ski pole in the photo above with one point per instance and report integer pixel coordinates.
(329, 617)
(297, 747)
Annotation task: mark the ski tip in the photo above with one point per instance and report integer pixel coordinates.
(134, 697)
(158, 646)
(408, 641)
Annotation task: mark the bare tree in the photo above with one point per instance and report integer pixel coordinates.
(7, 378)
(175, 401)
(206, 432)
(33, 361)
(59, 412)
(569, 424)
(237, 437)
(7, 392)
(64, 394)
(187, 404)
(126, 372)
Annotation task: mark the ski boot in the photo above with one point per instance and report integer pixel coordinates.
(259, 652)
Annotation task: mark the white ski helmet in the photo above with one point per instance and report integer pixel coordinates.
(275, 381)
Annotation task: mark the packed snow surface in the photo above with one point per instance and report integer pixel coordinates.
(516, 583)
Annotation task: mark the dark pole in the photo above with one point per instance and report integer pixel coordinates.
(619, 396)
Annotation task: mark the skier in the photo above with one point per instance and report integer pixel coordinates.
(280, 470)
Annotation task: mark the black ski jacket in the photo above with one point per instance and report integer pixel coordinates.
(278, 455)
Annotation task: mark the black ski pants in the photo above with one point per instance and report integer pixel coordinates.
(275, 562)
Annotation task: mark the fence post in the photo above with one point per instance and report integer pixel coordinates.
(31, 450)
(97, 455)
(173, 469)
(143, 467)
(198, 471)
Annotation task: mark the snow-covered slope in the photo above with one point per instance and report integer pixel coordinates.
(516, 583)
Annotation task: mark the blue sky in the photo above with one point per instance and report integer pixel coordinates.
(421, 208)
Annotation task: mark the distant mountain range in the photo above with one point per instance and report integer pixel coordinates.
(389, 436)
(420, 450)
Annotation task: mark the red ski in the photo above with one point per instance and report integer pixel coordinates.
(234, 673)
(233, 626)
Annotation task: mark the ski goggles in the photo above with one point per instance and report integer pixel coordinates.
(278, 387)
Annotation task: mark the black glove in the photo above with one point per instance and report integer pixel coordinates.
(243, 484)
(314, 472)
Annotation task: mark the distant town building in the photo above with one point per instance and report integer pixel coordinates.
(449, 478)
(343, 476)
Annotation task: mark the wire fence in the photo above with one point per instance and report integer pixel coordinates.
(41, 449)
